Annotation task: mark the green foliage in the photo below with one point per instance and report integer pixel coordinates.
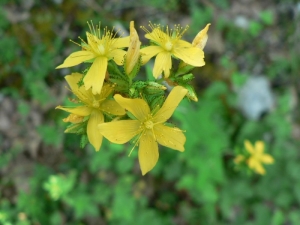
(255, 28)
(68, 185)
(221, 3)
(166, 6)
(239, 79)
(58, 185)
(200, 16)
(50, 135)
(267, 17)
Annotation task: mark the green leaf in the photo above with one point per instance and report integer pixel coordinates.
(278, 217)
(49, 134)
(255, 28)
(267, 17)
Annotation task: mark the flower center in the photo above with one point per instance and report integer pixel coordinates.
(169, 46)
(148, 124)
(101, 49)
(257, 157)
(96, 104)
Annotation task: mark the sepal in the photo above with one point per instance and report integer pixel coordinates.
(120, 80)
(77, 128)
(151, 91)
(191, 92)
(84, 140)
(183, 69)
(184, 79)
(145, 87)
(135, 69)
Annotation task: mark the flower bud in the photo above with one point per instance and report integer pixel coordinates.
(73, 118)
(133, 53)
(201, 38)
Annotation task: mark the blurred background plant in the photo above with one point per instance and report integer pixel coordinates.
(248, 89)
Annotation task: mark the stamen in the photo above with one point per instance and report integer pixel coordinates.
(136, 143)
(75, 42)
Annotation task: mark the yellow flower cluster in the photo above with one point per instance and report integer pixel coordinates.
(111, 104)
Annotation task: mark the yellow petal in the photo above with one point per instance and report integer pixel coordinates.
(79, 110)
(148, 152)
(86, 97)
(158, 36)
(183, 44)
(90, 38)
(163, 62)
(171, 137)
(267, 159)
(120, 42)
(148, 52)
(106, 90)
(95, 76)
(118, 56)
(93, 133)
(92, 41)
(249, 147)
(192, 56)
(77, 58)
(169, 106)
(254, 164)
(112, 107)
(73, 80)
(260, 169)
(138, 107)
(121, 131)
(259, 147)
(201, 38)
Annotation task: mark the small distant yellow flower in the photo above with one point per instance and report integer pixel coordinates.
(168, 44)
(101, 48)
(201, 38)
(92, 106)
(148, 127)
(133, 53)
(257, 156)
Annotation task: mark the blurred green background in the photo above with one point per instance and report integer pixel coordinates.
(45, 178)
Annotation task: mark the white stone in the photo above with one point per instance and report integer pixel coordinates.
(255, 97)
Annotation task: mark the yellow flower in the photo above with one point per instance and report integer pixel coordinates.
(100, 48)
(133, 53)
(168, 44)
(257, 156)
(201, 38)
(148, 127)
(93, 106)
